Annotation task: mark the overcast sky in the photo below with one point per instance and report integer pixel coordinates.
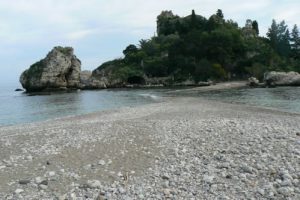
(99, 30)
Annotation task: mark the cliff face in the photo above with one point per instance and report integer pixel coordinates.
(60, 69)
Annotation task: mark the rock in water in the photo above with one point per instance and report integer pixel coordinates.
(60, 69)
(282, 78)
(253, 82)
(19, 90)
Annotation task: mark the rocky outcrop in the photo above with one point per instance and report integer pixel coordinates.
(282, 79)
(105, 74)
(87, 81)
(59, 70)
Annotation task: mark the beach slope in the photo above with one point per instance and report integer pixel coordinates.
(182, 148)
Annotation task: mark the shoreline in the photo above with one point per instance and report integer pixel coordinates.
(181, 148)
(218, 86)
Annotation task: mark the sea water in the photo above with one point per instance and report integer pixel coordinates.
(279, 98)
(19, 107)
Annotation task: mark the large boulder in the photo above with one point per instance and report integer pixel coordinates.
(59, 70)
(253, 82)
(282, 78)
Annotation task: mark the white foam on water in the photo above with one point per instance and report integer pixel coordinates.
(152, 96)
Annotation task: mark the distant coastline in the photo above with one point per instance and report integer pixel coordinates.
(188, 51)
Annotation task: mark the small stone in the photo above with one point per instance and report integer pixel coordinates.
(177, 172)
(246, 169)
(286, 183)
(283, 172)
(44, 182)
(48, 162)
(87, 167)
(243, 177)
(62, 197)
(165, 177)
(75, 176)
(93, 184)
(261, 192)
(286, 191)
(9, 164)
(298, 133)
(120, 174)
(51, 173)
(19, 191)
(167, 192)
(100, 197)
(24, 182)
(101, 162)
(122, 190)
(73, 196)
(43, 187)
(271, 195)
(29, 158)
(38, 180)
(208, 179)
(224, 166)
(166, 184)
(228, 176)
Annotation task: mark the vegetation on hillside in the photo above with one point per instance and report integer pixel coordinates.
(201, 49)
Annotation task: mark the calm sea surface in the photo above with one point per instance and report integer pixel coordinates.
(280, 98)
(18, 107)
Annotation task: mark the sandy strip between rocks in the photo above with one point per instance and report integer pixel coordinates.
(183, 148)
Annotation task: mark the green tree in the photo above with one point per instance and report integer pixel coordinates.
(248, 30)
(279, 38)
(255, 27)
(257, 70)
(166, 23)
(295, 42)
(133, 55)
(193, 19)
(220, 14)
(156, 67)
(131, 49)
(150, 47)
(215, 48)
(203, 70)
(284, 44)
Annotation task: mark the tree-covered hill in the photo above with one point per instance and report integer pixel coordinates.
(200, 49)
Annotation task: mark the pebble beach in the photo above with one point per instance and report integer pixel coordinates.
(180, 148)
